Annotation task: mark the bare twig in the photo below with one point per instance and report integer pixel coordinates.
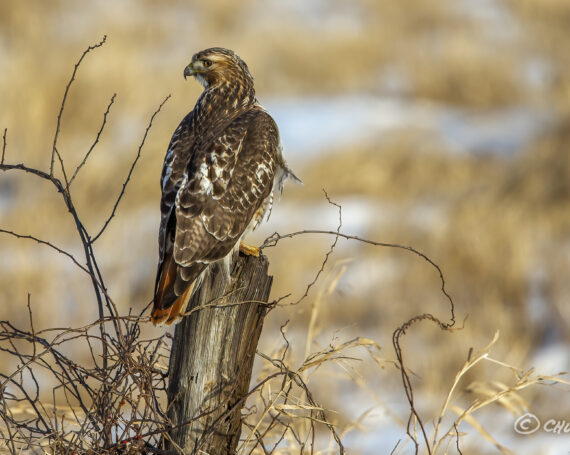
(62, 168)
(39, 173)
(406, 379)
(329, 252)
(4, 145)
(93, 270)
(95, 142)
(457, 439)
(273, 239)
(62, 107)
(51, 245)
(125, 183)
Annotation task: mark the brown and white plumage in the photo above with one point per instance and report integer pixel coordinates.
(221, 169)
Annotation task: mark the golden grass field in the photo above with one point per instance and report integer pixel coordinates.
(498, 224)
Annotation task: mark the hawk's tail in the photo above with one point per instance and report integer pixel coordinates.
(174, 312)
(168, 307)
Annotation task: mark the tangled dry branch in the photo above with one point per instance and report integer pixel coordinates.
(400, 331)
(51, 400)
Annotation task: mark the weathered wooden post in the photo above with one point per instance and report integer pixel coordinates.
(212, 358)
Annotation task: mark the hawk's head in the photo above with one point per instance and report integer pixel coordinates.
(218, 66)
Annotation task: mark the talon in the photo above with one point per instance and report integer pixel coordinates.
(249, 250)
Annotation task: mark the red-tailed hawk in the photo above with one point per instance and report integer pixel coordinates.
(221, 170)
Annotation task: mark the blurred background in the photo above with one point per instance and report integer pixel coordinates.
(439, 124)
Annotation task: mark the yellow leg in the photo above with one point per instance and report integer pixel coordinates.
(248, 250)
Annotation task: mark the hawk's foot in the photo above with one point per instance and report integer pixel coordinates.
(248, 250)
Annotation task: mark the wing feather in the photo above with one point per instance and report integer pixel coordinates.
(211, 192)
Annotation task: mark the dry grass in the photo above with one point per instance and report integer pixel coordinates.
(282, 417)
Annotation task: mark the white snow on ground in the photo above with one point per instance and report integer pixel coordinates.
(319, 125)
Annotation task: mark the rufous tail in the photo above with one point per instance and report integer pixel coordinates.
(174, 312)
(168, 307)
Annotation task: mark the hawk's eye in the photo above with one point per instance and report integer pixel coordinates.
(207, 63)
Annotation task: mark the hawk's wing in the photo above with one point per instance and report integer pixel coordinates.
(173, 171)
(225, 182)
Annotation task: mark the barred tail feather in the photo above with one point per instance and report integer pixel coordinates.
(174, 312)
(168, 306)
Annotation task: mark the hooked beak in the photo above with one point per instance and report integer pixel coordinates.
(189, 71)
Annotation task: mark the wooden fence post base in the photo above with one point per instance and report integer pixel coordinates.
(212, 358)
